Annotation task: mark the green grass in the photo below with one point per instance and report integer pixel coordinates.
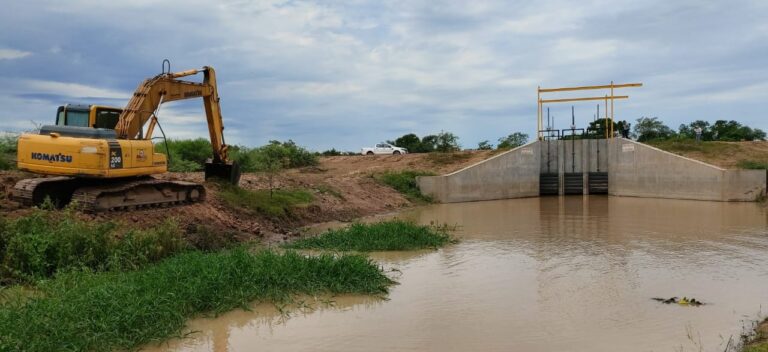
(762, 347)
(394, 235)
(689, 145)
(82, 311)
(7, 151)
(45, 242)
(447, 158)
(752, 164)
(405, 183)
(276, 204)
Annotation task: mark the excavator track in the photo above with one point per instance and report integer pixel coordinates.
(97, 196)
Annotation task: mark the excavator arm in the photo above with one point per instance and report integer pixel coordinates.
(165, 87)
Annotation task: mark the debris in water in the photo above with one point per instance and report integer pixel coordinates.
(685, 301)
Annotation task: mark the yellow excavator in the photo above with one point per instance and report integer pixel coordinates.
(103, 157)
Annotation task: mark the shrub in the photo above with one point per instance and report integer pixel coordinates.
(752, 164)
(447, 142)
(485, 145)
(7, 151)
(394, 235)
(514, 140)
(45, 242)
(186, 155)
(189, 155)
(83, 311)
(405, 183)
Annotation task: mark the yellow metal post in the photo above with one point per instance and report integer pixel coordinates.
(538, 112)
(612, 115)
(606, 117)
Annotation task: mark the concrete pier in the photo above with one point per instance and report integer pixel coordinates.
(618, 167)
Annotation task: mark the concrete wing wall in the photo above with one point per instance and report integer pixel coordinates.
(512, 174)
(640, 170)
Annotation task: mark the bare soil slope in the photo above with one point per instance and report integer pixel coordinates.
(343, 188)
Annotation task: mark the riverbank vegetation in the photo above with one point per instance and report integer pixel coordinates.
(405, 183)
(394, 235)
(7, 151)
(757, 340)
(87, 311)
(272, 203)
(189, 155)
(45, 242)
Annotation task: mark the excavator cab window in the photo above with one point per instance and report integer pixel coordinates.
(72, 117)
(107, 118)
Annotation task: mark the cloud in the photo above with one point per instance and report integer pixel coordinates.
(11, 54)
(72, 90)
(330, 74)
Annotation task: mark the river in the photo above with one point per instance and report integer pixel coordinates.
(539, 274)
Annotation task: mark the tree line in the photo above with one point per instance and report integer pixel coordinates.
(448, 142)
(652, 128)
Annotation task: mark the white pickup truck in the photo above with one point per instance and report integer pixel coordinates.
(383, 148)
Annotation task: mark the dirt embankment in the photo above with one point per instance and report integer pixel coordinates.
(343, 188)
(727, 155)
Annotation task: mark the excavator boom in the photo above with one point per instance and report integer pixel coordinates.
(165, 87)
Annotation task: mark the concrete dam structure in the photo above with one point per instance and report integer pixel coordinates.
(618, 167)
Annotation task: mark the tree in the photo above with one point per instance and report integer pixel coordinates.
(689, 130)
(514, 140)
(650, 128)
(597, 127)
(447, 142)
(734, 131)
(485, 145)
(428, 143)
(271, 158)
(410, 142)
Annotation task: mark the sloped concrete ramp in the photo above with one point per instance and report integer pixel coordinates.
(639, 170)
(511, 174)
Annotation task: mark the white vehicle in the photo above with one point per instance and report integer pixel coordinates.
(384, 148)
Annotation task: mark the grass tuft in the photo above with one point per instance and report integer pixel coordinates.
(405, 183)
(394, 235)
(84, 311)
(752, 165)
(447, 158)
(275, 204)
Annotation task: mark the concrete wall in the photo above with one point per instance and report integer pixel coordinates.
(512, 174)
(549, 151)
(639, 170)
(634, 169)
(596, 155)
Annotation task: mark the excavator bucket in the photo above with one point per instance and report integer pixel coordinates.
(229, 171)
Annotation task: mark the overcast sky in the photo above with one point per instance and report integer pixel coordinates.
(352, 73)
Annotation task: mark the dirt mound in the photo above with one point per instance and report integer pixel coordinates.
(343, 188)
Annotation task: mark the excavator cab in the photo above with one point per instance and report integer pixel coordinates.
(96, 116)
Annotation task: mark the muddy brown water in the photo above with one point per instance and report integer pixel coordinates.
(539, 274)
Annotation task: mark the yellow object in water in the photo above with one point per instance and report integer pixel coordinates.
(683, 301)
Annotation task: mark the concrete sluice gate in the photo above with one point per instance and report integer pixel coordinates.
(618, 167)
